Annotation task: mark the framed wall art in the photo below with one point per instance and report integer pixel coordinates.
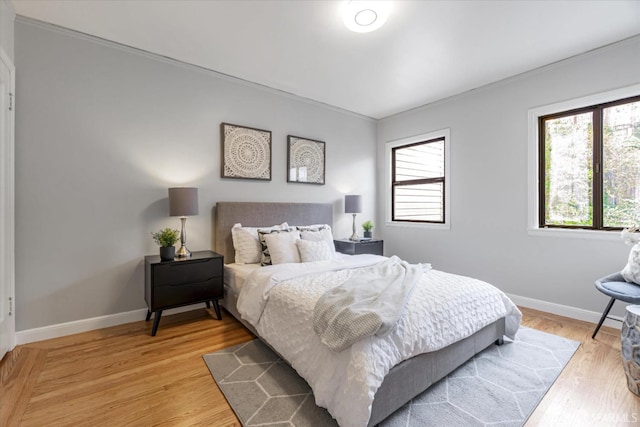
(305, 160)
(246, 152)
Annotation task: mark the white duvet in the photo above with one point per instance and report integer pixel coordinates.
(444, 308)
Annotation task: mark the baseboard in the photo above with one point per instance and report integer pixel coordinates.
(566, 311)
(69, 328)
(84, 325)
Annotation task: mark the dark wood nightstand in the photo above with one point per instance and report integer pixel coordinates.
(351, 247)
(169, 284)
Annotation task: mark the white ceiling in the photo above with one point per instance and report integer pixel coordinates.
(427, 50)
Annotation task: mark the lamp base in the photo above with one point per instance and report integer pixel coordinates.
(354, 236)
(183, 252)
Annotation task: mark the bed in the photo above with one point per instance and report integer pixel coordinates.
(403, 381)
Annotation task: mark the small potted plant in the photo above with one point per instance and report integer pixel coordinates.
(166, 239)
(367, 226)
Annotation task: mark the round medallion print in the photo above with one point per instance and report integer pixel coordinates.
(247, 153)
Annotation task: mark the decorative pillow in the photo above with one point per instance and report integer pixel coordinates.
(247, 243)
(318, 234)
(313, 227)
(282, 247)
(631, 272)
(266, 255)
(314, 251)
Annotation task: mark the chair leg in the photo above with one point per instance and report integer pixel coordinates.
(604, 316)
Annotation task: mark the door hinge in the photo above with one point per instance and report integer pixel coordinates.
(10, 306)
(10, 102)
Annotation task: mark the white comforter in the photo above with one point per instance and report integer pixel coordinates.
(444, 308)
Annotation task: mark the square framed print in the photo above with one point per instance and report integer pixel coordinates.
(246, 152)
(305, 160)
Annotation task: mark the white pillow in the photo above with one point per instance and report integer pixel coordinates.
(247, 243)
(265, 258)
(631, 271)
(282, 247)
(314, 251)
(320, 235)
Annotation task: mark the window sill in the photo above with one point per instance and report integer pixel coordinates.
(575, 234)
(426, 225)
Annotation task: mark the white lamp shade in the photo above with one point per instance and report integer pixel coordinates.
(353, 203)
(183, 201)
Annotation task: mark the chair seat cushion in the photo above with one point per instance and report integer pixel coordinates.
(624, 291)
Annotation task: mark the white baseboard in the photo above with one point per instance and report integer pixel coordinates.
(566, 311)
(84, 325)
(69, 328)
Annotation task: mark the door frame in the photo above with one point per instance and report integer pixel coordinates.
(7, 212)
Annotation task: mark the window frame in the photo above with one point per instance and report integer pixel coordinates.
(536, 225)
(443, 134)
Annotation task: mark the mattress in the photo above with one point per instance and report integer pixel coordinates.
(236, 274)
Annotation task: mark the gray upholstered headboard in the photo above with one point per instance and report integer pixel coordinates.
(257, 214)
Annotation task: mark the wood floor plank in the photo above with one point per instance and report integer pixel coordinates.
(18, 377)
(123, 376)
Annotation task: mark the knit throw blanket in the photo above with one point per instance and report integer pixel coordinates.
(368, 303)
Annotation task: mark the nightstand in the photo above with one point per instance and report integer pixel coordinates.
(351, 247)
(169, 284)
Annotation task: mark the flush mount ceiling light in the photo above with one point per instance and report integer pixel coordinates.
(365, 16)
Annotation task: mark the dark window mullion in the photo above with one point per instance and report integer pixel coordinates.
(597, 196)
(393, 186)
(418, 181)
(542, 165)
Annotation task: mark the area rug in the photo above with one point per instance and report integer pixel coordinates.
(499, 387)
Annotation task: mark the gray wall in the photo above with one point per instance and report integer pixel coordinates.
(101, 133)
(488, 238)
(7, 16)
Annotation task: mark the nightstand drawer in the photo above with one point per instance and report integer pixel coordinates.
(350, 247)
(187, 293)
(368, 244)
(178, 273)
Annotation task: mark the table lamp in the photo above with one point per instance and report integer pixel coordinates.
(353, 205)
(183, 202)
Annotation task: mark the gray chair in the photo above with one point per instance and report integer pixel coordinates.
(616, 287)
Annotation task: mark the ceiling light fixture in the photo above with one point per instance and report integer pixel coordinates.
(365, 16)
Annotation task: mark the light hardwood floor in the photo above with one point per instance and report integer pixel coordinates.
(122, 376)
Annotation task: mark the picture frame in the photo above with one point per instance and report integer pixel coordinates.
(246, 152)
(306, 160)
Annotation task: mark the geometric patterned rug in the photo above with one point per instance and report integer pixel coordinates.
(499, 387)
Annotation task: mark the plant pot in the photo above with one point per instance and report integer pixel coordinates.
(367, 234)
(167, 253)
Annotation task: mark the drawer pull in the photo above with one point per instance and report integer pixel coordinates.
(174, 285)
(179, 264)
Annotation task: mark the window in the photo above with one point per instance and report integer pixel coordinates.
(589, 166)
(418, 181)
